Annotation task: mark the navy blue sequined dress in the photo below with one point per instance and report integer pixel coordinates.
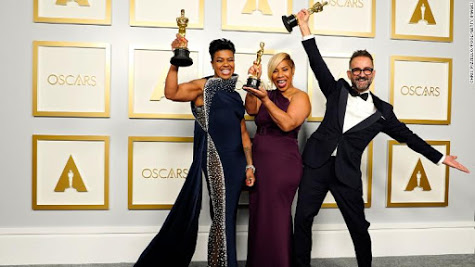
(217, 152)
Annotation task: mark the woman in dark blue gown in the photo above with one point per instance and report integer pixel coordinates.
(222, 151)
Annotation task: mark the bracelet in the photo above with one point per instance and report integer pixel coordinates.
(250, 166)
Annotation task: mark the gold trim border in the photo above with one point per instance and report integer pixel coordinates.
(390, 204)
(130, 165)
(371, 34)
(137, 23)
(226, 27)
(132, 114)
(447, 121)
(100, 138)
(106, 21)
(107, 54)
(449, 38)
(369, 173)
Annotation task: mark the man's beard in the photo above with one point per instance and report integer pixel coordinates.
(361, 86)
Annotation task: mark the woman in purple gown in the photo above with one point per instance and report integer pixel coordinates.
(278, 115)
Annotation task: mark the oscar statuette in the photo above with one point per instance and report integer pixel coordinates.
(182, 54)
(252, 80)
(292, 21)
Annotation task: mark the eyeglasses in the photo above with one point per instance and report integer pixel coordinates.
(366, 71)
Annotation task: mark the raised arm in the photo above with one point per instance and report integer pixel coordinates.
(247, 146)
(319, 67)
(183, 92)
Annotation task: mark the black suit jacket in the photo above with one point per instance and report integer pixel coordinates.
(352, 143)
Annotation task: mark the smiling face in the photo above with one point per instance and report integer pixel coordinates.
(280, 71)
(282, 75)
(223, 64)
(361, 73)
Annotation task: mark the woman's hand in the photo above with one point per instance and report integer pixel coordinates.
(180, 41)
(255, 70)
(250, 178)
(260, 93)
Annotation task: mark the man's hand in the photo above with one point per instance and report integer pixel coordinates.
(452, 162)
(302, 17)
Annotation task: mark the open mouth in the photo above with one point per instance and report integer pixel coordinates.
(281, 83)
(226, 72)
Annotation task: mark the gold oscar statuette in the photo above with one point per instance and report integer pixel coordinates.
(182, 54)
(292, 21)
(253, 81)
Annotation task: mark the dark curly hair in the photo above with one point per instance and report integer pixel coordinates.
(220, 44)
(361, 53)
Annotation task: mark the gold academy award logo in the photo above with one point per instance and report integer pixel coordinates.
(72, 79)
(79, 2)
(420, 90)
(70, 178)
(262, 6)
(347, 3)
(164, 173)
(419, 180)
(423, 14)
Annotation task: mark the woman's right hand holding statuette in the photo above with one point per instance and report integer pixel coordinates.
(179, 42)
(253, 80)
(260, 92)
(181, 56)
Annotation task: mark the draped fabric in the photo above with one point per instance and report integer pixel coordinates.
(218, 153)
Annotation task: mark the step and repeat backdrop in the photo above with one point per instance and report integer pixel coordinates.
(73, 80)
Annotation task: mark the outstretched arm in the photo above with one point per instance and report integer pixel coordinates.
(399, 131)
(452, 162)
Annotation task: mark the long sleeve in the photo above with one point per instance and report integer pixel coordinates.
(324, 77)
(399, 131)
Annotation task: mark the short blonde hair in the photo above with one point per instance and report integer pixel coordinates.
(276, 60)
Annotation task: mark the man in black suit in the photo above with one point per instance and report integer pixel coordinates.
(332, 155)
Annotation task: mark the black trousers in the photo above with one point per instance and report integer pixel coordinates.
(313, 188)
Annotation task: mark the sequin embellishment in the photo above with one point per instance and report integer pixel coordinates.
(217, 247)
